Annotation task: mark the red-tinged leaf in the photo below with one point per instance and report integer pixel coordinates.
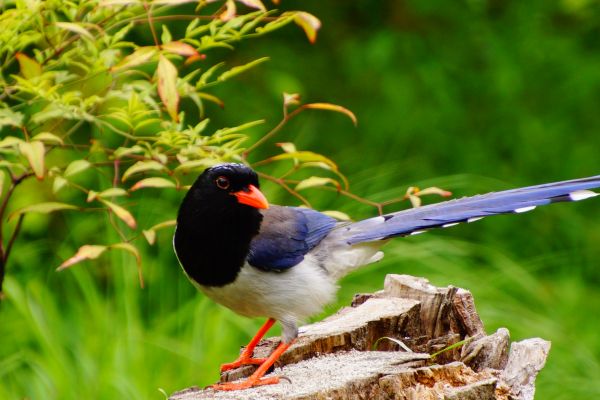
(150, 236)
(141, 55)
(211, 98)
(183, 49)
(131, 249)
(291, 99)
(167, 86)
(85, 252)
(142, 166)
(316, 181)
(434, 190)
(155, 182)
(229, 12)
(34, 153)
(43, 208)
(194, 58)
(28, 66)
(287, 147)
(332, 107)
(257, 4)
(309, 23)
(121, 213)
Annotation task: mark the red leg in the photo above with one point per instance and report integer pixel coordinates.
(256, 379)
(246, 356)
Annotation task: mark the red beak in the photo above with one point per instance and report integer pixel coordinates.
(252, 197)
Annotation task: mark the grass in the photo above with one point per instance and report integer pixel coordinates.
(470, 96)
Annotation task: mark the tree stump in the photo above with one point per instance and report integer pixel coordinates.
(411, 340)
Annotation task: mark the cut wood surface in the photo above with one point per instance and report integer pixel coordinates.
(359, 352)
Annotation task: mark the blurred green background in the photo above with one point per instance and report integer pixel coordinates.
(472, 96)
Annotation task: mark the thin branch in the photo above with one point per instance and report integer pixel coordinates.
(11, 241)
(148, 9)
(272, 132)
(284, 185)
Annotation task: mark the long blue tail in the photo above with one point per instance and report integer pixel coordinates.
(469, 209)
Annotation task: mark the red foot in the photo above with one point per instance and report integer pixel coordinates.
(256, 379)
(248, 383)
(242, 361)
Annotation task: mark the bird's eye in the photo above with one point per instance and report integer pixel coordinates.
(222, 182)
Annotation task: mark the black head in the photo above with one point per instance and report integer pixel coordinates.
(217, 220)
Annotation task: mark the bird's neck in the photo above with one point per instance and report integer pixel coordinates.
(212, 247)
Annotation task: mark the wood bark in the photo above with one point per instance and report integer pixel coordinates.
(359, 352)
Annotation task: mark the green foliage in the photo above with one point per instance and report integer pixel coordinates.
(471, 96)
(83, 91)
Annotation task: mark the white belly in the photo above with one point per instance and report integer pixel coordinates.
(289, 295)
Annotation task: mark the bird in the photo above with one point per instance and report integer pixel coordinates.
(283, 263)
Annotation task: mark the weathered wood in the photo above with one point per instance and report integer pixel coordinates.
(334, 358)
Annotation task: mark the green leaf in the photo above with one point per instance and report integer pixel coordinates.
(196, 164)
(58, 184)
(34, 153)
(75, 28)
(142, 166)
(340, 216)
(240, 69)
(9, 117)
(167, 86)
(166, 36)
(113, 192)
(108, 193)
(10, 141)
(332, 107)
(131, 249)
(154, 182)
(43, 208)
(125, 151)
(305, 156)
(120, 212)
(316, 181)
(85, 252)
(76, 167)
(29, 67)
(48, 137)
(141, 55)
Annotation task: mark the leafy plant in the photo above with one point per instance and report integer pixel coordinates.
(86, 92)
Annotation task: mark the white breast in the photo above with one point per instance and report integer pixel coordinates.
(290, 295)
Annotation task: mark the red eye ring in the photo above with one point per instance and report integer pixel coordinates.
(222, 182)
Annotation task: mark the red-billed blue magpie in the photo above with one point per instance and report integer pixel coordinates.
(283, 262)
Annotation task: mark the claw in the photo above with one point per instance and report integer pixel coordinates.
(248, 383)
(256, 379)
(242, 361)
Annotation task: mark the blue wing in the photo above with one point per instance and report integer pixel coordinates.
(286, 235)
(468, 209)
